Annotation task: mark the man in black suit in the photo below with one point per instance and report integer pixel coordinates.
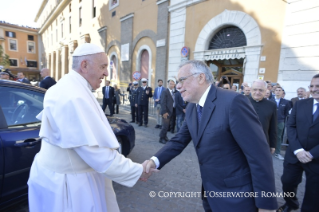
(283, 107)
(143, 94)
(266, 111)
(108, 95)
(300, 95)
(168, 110)
(302, 154)
(180, 110)
(133, 102)
(47, 81)
(22, 78)
(232, 156)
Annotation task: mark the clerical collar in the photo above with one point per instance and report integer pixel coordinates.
(80, 77)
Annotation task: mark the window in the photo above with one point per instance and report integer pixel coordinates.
(227, 38)
(56, 35)
(70, 26)
(10, 34)
(113, 13)
(31, 47)
(70, 10)
(113, 4)
(20, 106)
(13, 62)
(30, 37)
(13, 45)
(51, 38)
(32, 64)
(80, 16)
(94, 8)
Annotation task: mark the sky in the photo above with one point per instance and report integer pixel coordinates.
(20, 12)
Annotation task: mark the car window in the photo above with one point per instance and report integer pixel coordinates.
(21, 106)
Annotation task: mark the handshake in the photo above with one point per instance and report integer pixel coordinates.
(148, 168)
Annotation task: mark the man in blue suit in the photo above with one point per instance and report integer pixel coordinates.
(47, 81)
(157, 102)
(231, 146)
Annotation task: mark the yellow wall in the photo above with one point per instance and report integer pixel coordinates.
(269, 15)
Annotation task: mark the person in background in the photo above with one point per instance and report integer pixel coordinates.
(143, 94)
(234, 88)
(22, 78)
(157, 102)
(108, 95)
(47, 81)
(300, 95)
(247, 91)
(117, 99)
(226, 86)
(4, 75)
(267, 94)
(133, 102)
(180, 110)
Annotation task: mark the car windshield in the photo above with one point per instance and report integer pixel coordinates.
(20, 106)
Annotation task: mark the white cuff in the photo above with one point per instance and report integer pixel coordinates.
(298, 150)
(156, 161)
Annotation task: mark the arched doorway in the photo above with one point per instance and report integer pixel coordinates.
(144, 64)
(229, 64)
(113, 69)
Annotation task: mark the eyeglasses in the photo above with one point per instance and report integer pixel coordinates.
(226, 88)
(313, 86)
(182, 79)
(144, 82)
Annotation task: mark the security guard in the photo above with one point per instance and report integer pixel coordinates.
(143, 94)
(133, 102)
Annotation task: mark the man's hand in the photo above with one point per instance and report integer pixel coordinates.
(156, 100)
(184, 110)
(265, 210)
(146, 91)
(304, 157)
(272, 150)
(145, 175)
(150, 166)
(165, 115)
(135, 105)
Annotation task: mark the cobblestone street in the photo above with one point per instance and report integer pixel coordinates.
(180, 175)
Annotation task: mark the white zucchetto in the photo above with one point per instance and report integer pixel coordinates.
(87, 49)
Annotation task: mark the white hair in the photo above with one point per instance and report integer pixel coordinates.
(261, 81)
(77, 60)
(199, 67)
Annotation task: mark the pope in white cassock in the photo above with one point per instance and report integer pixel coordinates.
(78, 160)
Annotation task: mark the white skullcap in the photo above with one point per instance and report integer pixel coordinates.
(87, 49)
(144, 79)
(135, 82)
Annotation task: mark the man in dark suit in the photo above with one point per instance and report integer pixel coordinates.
(108, 95)
(143, 94)
(300, 95)
(167, 110)
(180, 110)
(266, 111)
(157, 102)
(302, 154)
(133, 102)
(47, 81)
(232, 156)
(283, 107)
(22, 78)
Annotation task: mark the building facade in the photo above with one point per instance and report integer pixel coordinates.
(21, 44)
(242, 39)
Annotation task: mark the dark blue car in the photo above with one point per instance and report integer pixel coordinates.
(19, 137)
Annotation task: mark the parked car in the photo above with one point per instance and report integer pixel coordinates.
(19, 137)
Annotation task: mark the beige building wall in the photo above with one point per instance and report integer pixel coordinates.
(269, 16)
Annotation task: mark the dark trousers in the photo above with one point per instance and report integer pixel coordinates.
(134, 112)
(291, 178)
(109, 103)
(165, 126)
(116, 108)
(172, 120)
(143, 111)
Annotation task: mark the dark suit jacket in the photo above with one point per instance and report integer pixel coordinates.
(180, 104)
(142, 97)
(155, 95)
(267, 114)
(303, 133)
(111, 92)
(282, 109)
(167, 102)
(47, 82)
(232, 151)
(25, 80)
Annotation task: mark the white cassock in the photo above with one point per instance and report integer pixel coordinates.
(77, 162)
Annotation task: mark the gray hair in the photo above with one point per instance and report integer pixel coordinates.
(77, 60)
(259, 80)
(301, 89)
(199, 67)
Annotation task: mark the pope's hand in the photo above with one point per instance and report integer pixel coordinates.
(304, 157)
(147, 172)
(165, 115)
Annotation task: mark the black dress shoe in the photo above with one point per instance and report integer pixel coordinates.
(285, 208)
(162, 140)
(166, 139)
(160, 126)
(157, 126)
(132, 121)
(140, 125)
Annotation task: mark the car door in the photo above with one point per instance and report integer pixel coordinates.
(19, 138)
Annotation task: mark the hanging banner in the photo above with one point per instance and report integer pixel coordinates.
(224, 54)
